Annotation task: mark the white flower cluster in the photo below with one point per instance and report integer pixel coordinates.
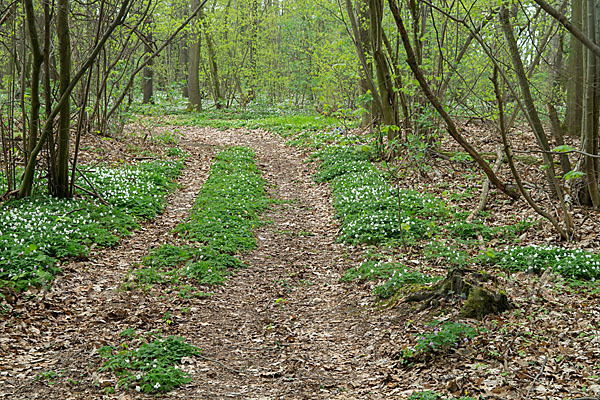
(573, 263)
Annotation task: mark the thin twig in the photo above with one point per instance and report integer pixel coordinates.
(93, 194)
(558, 152)
(505, 357)
(72, 211)
(237, 371)
(94, 191)
(537, 376)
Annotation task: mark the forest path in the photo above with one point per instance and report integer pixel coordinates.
(282, 328)
(285, 322)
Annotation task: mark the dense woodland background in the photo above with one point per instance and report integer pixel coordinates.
(411, 72)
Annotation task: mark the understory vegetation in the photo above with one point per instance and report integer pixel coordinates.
(147, 366)
(447, 156)
(38, 232)
(372, 211)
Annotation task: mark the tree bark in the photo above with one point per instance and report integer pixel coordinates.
(34, 112)
(193, 80)
(64, 127)
(532, 114)
(574, 114)
(212, 65)
(147, 77)
(590, 111)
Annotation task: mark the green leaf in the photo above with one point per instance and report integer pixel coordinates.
(565, 148)
(574, 175)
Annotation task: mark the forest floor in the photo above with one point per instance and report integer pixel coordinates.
(285, 327)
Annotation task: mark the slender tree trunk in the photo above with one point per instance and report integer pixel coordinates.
(389, 101)
(366, 72)
(363, 51)
(590, 111)
(532, 114)
(193, 81)
(184, 57)
(64, 134)
(148, 75)
(554, 72)
(34, 112)
(212, 65)
(574, 116)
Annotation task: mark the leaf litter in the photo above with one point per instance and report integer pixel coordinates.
(285, 327)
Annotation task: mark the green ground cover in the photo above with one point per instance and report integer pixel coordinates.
(149, 366)
(219, 227)
(39, 231)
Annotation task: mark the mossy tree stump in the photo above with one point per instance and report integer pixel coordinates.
(480, 291)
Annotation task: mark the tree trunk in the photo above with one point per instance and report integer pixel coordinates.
(193, 81)
(34, 112)
(184, 57)
(575, 72)
(64, 51)
(366, 72)
(555, 69)
(212, 64)
(589, 136)
(532, 114)
(147, 78)
(389, 101)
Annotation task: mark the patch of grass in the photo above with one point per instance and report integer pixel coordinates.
(168, 255)
(227, 207)
(473, 230)
(574, 264)
(320, 139)
(440, 250)
(151, 367)
(470, 230)
(444, 337)
(219, 227)
(273, 119)
(49, 376)
(224, 215)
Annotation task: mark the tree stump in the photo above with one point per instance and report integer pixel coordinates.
(480, 291)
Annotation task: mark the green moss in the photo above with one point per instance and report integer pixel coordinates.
(482, 302)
